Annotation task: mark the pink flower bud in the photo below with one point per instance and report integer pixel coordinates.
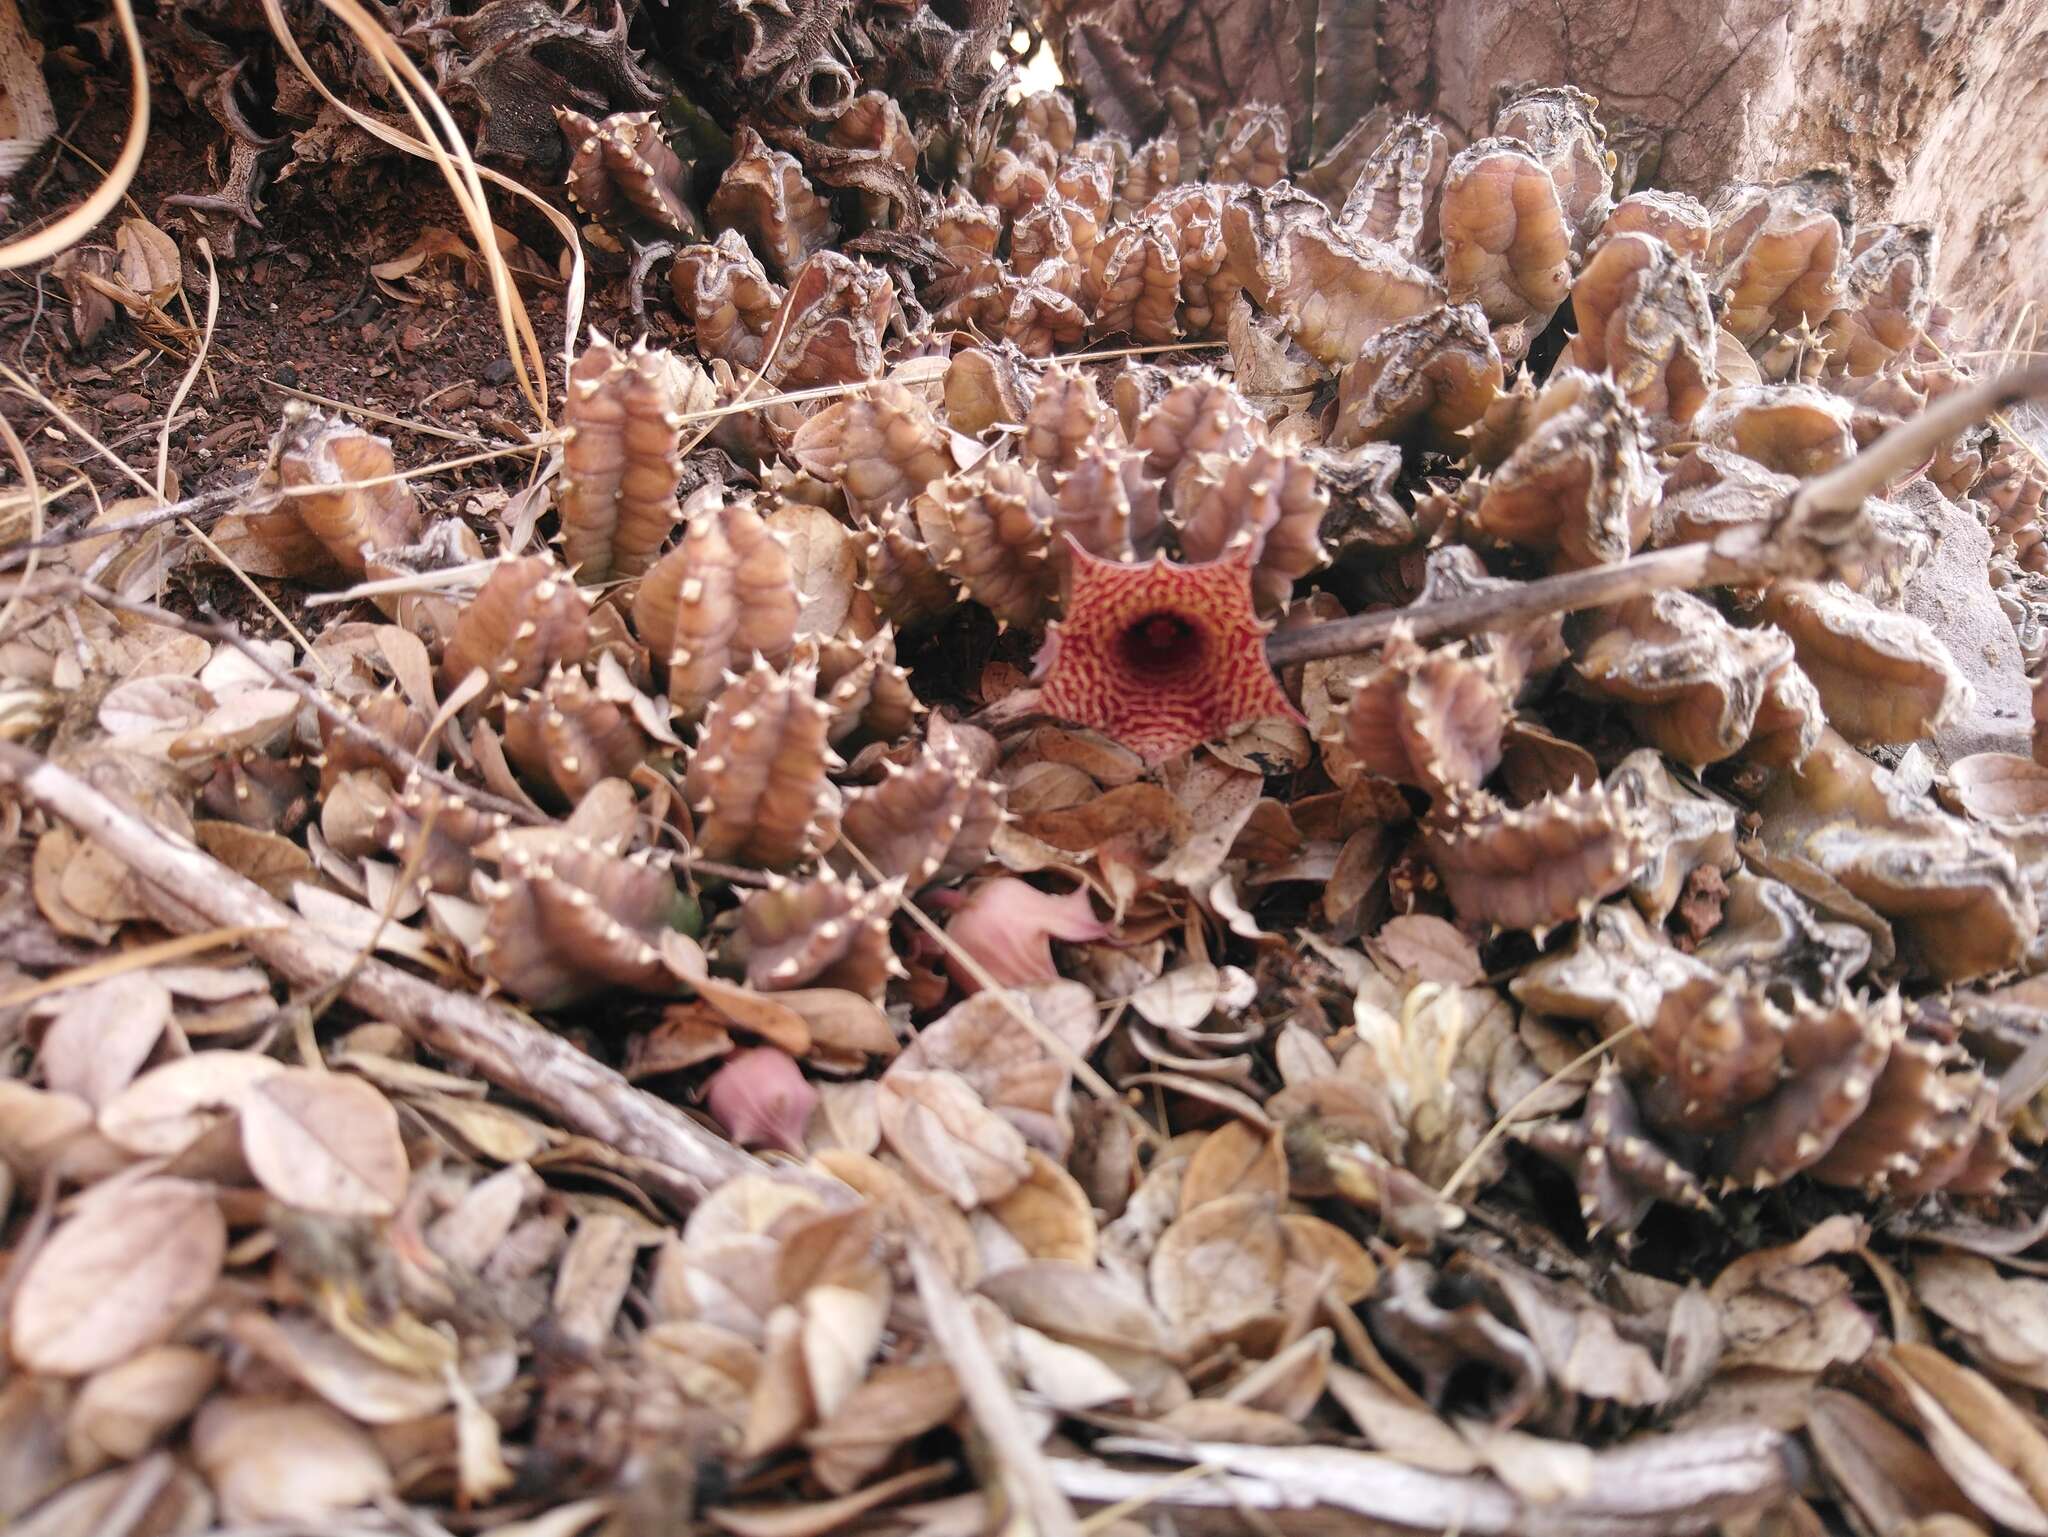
(762, 1098)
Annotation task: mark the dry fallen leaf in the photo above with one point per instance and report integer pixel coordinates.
(1015, 1074)
(1996, 1453)
(274, 863)
(171, 1107)
(363, 1388)
(285, 1460)
(1045, 1217)
(120, 1275)
(1789, 1310)
(1888, 1476)
(2003, 1319)
(149, 262)
(123, 1411)
(950, 1139)
(1235, 1158)
(1220, 1265)
(324, 1142)
(103, 1034)
(1430, 950)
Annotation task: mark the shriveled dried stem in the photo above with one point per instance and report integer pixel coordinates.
(1688, 565)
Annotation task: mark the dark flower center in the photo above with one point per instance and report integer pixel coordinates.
(1159, 646)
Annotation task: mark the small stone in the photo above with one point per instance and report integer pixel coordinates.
(487, 397)
(497, 371)
(1952, 596)
(413, 337)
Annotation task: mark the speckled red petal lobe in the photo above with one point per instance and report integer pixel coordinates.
(1160, 656)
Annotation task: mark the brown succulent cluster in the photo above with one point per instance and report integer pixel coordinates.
(1154, 522)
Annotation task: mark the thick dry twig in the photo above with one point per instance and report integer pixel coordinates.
(1844, 488)
(1686, 565)
(193, 890)
(1734, 559)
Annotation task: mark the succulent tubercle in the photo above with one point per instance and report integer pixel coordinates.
(1159, 655)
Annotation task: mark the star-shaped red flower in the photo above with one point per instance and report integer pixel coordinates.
(1159, 656)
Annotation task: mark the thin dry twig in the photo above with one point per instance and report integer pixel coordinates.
(205, 504)
(1686, 565)
(123, 961)
(372, 414)
(163, 437)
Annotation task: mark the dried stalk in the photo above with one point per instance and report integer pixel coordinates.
(1687, 565)
(191, 890)
(75, 225)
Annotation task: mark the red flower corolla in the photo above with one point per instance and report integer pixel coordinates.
(1160, 656)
